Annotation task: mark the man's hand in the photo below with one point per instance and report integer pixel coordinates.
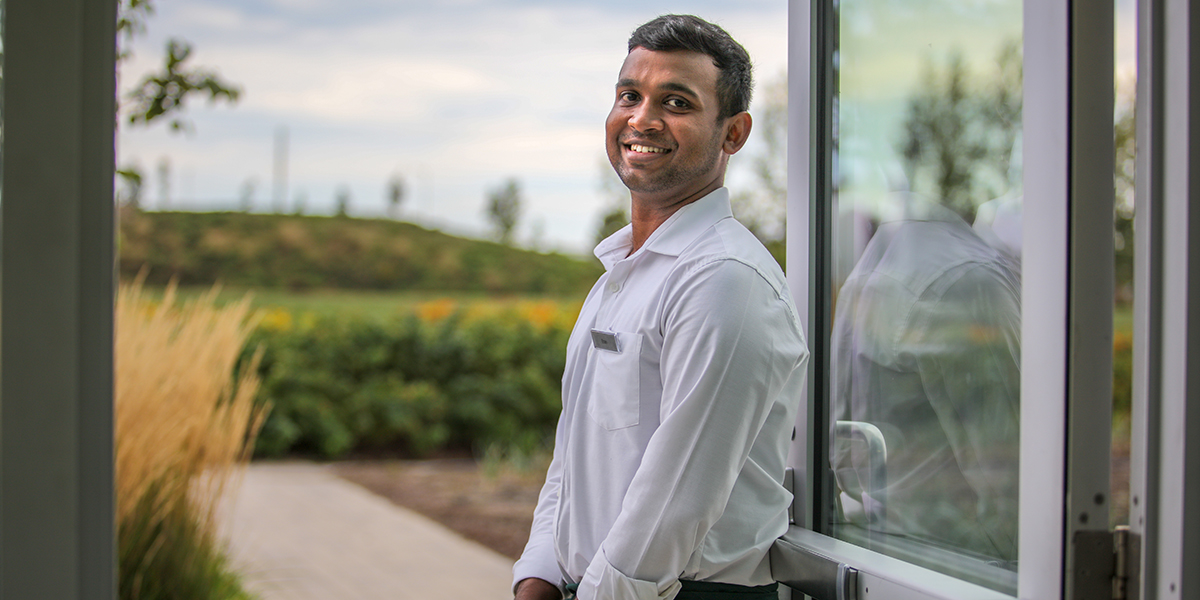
(533, 588)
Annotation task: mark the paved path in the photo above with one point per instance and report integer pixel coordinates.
(298, 532)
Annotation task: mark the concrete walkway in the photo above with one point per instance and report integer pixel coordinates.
(298, 532)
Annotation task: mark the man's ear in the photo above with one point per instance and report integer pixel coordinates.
(737, 131)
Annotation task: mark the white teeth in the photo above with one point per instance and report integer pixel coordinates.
(641, 148)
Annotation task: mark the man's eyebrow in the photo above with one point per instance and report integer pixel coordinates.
(670, 85)
(681, 88)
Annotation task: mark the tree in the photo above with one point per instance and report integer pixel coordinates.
(300, 202)
(939, 137)
(164, 182)
(616, 197)
(958, 141)
(763, 210)
(611, 222)
(504, 209)
(342, 201)
(163, 94)
(395, 195)
(1002, 108)
(246, 197)
(131, 193)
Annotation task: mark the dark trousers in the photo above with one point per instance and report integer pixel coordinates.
(711, 590)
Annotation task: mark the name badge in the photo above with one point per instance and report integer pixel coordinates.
(605, 340)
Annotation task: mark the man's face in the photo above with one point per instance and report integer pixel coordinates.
(662, 135)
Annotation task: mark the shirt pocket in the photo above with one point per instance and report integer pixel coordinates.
(614, 400)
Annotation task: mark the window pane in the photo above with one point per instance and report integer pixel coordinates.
(1124, 137)
(925, 349)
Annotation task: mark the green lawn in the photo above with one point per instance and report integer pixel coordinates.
(381, 304)
(361, 303)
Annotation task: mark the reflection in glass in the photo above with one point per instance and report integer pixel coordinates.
(925, 346)
(926, 350)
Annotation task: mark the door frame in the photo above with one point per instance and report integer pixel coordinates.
(1066, 334)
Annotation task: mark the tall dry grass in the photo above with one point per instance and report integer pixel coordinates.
(185, 425)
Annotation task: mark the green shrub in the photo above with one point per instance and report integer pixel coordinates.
(440, 378)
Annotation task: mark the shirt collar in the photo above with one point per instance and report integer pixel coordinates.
(675, 234)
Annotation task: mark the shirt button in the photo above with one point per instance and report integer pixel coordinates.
(614, 287)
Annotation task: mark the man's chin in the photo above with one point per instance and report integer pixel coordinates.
(644, 183)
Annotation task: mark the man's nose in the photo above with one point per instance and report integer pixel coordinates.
(646, 117)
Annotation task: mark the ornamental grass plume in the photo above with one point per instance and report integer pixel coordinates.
(186, 420)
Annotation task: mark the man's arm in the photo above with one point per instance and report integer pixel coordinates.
(538, 561)
(532, 588)
(731, 348)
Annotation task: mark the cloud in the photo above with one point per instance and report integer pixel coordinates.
(456, 93)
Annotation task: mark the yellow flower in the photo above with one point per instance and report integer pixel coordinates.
(540, 314)
(276, 319)
(436, 310)
(1122, 341)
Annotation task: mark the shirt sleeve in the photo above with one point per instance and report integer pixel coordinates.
(539, 558)
(967, 350)
(730, 345)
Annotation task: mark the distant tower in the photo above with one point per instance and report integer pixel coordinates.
(164, 183)
(279, 183)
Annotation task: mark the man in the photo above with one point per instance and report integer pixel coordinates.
(685, 367)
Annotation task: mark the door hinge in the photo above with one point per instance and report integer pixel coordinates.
(1105, 565)
(1127, 558)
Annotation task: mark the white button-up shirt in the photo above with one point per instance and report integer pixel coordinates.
(670, 450)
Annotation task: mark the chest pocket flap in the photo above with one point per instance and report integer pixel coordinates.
(614, 400)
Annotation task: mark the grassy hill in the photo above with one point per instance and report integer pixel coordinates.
(313, 252)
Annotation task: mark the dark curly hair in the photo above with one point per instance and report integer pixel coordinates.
(735, 82)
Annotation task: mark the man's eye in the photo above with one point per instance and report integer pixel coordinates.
(677, 103)
(627, 97)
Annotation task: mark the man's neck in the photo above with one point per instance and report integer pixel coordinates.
(647, 214)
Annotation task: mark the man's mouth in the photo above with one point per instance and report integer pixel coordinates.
(646, 149)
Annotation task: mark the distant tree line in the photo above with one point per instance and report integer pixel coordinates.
(298, 252)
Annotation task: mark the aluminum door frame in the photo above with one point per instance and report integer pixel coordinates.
(1066, 335)
(1165, 444)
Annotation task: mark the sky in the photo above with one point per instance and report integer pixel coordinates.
(454, 96)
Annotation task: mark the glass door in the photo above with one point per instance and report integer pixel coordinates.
(925, 212)
(952, 411)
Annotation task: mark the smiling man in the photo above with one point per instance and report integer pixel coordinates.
(686, 365)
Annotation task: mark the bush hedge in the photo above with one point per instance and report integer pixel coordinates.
(443, 378)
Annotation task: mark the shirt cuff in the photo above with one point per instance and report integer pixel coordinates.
(604, 582)
(532, 565)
